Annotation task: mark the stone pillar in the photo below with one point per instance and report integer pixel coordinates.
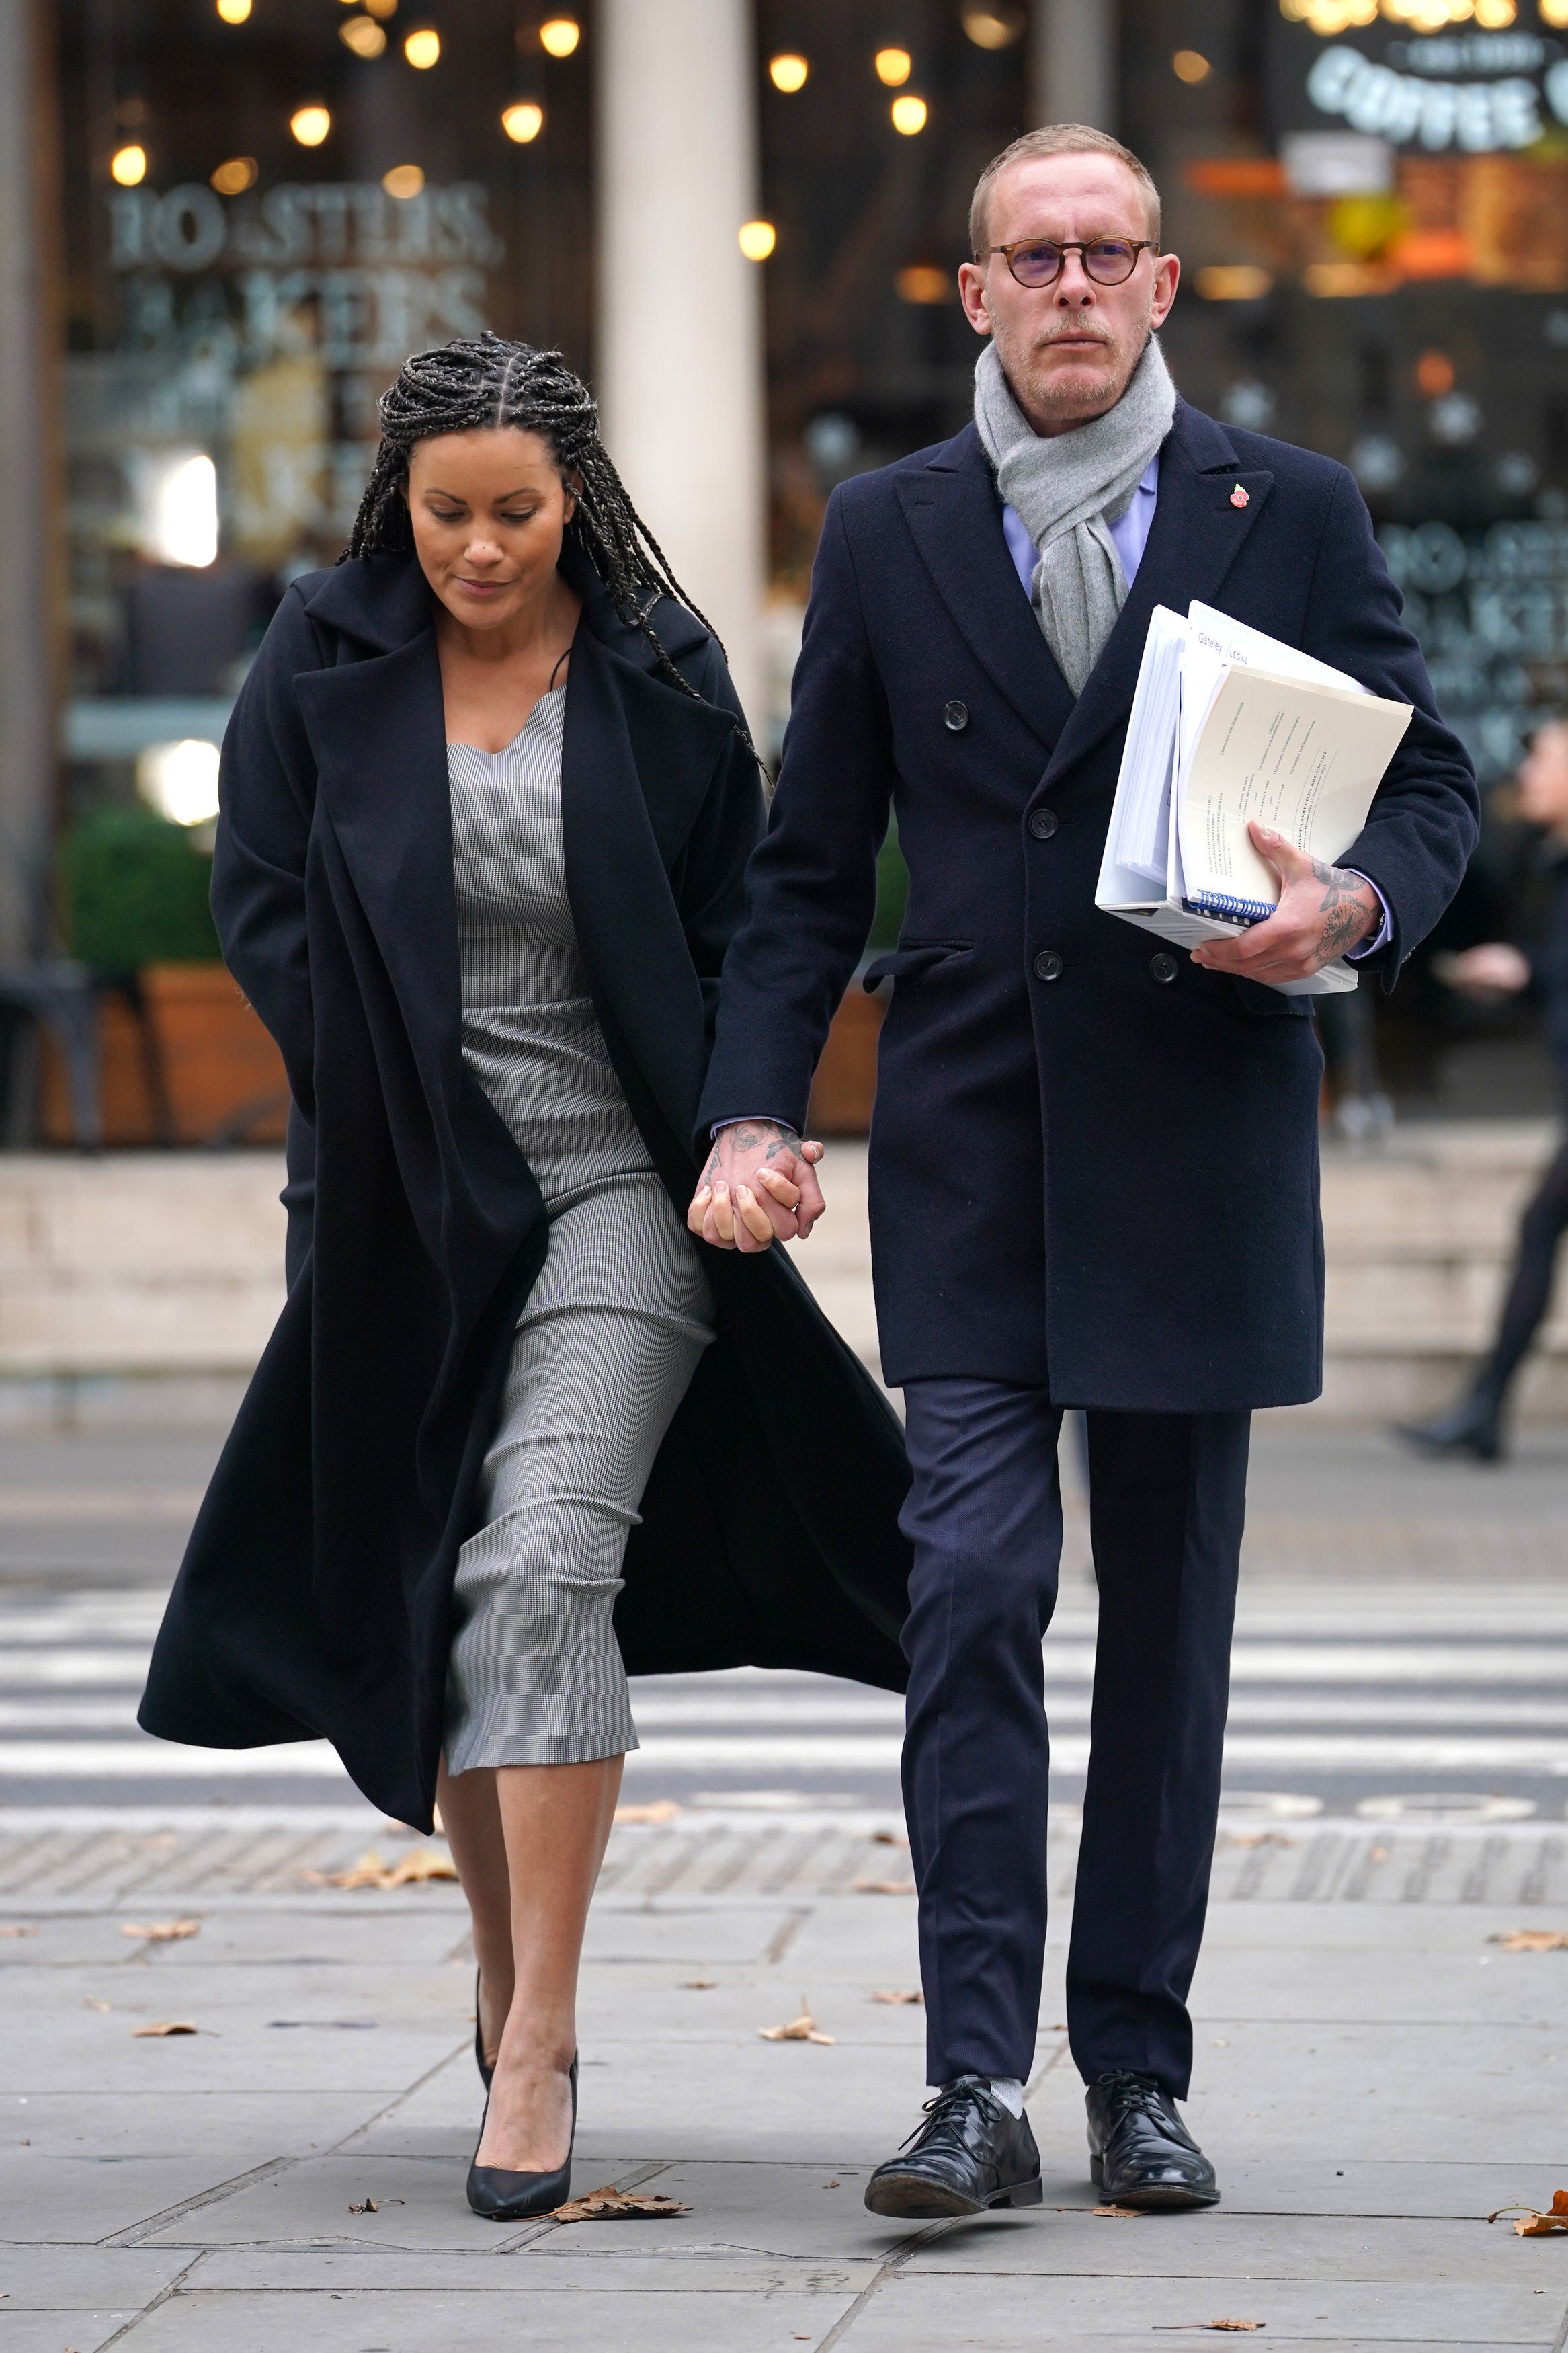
(1072, 61)
(680, 358)
(27, 572)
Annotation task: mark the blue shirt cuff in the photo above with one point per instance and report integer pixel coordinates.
(1384, 930)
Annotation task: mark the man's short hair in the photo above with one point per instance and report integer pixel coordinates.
(1057, 139)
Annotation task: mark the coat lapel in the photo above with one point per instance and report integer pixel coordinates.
(955, 520)
(636, 762)
(1197, 533)
(378, 734)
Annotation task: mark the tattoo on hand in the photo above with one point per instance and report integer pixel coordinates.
(780, 1141)
(1343, 906)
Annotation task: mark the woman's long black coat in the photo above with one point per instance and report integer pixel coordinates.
(315, 1594)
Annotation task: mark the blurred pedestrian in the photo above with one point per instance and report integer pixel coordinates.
(1094, 1169)
(488, 798)
(1360, 1111)
(1498, 969)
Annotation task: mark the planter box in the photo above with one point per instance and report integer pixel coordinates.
(845, 1087)
(223, 1076)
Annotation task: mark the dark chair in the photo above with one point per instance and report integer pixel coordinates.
(62, 998)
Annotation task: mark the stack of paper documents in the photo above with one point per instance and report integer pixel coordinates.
(1229, 725)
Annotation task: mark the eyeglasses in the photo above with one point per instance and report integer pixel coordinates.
(1039, 261)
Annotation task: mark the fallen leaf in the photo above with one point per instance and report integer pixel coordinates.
(370, 2207)
(884, 1887)
(11, 1929)
(1532, 1940)
(889, 1838)
(659, 1809)
(803, 2029)
(1119, 2213)
(898, 1994)
(1533, 2225)
(161, 1932)
(609, 2205)
(166, 2026)
(1233, 2327)
(88, 2002)
(833, 2185)
(698, 1985)
(412, 1869)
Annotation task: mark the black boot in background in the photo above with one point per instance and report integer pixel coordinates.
(1473, 1425)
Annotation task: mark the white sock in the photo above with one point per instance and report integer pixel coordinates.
(1007, 2089)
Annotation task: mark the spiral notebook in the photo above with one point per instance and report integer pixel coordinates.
(1229, 725)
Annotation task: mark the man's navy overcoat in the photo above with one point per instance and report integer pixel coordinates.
(1093, 1164)
(314, 1596)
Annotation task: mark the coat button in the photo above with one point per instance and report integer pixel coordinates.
(1163, 967)
(955, 717)
(1049, 965)
(1043, 824)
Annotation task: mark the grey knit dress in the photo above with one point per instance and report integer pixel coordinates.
(612, 1331)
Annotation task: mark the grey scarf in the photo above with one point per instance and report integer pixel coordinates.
(1069, 488)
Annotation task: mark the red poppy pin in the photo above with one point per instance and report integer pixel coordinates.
(1238, 496)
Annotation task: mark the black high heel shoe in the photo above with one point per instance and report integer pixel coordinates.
(487, 2073)
(504, 2196)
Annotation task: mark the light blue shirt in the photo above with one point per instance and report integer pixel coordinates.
(1130, 533)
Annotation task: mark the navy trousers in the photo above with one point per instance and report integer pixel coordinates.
(1167, 1499)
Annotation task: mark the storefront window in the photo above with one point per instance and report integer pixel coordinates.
(268, 204)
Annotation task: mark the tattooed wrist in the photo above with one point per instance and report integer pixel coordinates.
(1347, 916)
(750, 1135)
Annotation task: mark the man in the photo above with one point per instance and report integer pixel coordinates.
(1495, 971)
(1094, 1170)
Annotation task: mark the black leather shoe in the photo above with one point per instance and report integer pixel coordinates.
(971, 2153)
(1141, 2154)
(504, 2196)
(487, 2073)
(1473, 1425)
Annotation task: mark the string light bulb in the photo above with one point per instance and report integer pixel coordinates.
(559, 37)
(128, 166)
(909, 116)
(893, 66)
(523, 123)
(422, 49)
(757, 239)
(310, 125)
(404, 180)
(363, 36)
(995, 27)
(234, 12)
(788, 73)
(233, 178)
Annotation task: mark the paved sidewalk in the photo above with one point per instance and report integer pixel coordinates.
(1375, 2078)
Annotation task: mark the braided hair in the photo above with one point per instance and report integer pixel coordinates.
(468, 386)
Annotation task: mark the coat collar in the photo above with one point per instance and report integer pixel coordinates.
(383, 602)
(955, 516)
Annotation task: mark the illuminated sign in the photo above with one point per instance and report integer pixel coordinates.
(1475, 93)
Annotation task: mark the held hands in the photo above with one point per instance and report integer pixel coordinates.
(760, 1186)
(1323, 912)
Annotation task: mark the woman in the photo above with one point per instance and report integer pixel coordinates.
(487, 801)
(1492, 973)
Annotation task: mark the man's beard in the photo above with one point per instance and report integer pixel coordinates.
(1060, 394)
